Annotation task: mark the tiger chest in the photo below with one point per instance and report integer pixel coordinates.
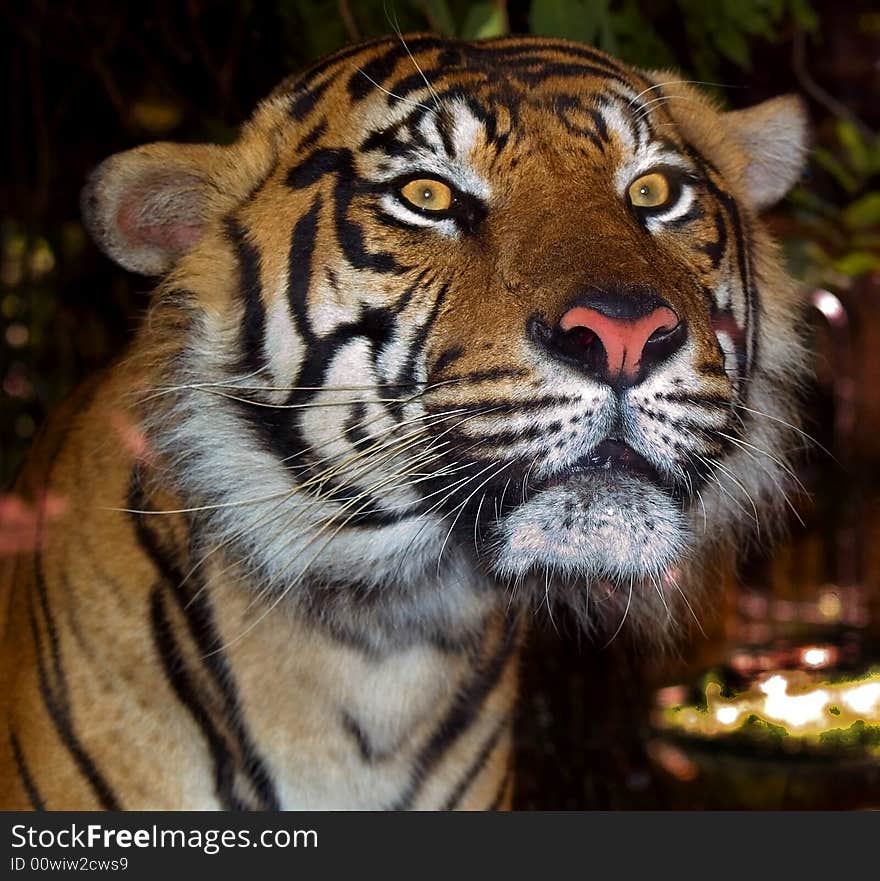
(334, 727)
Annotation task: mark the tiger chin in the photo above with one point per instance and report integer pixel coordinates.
(451, 331)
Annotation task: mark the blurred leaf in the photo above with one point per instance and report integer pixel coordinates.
(816, 253)
(755, 18)
(810, 201)
(732, 43)
(439, 16)
(729, 27)
(804, 15)
(315, 24)
(607, 39)
(842, 175)
(863, 213)
(857, 263)
(856, 149)
(573, 19)
(485, 20)
(637, 41)
(866, 241)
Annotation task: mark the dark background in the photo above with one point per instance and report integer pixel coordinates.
(84, 80)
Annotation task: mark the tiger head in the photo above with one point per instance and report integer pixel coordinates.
(453, 318)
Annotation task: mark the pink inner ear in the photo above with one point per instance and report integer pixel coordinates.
(146, 221)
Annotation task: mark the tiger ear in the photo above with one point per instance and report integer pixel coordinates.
(148, 206)
(774, 137)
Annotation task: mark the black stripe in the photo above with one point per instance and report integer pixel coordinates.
(543, 69)
(705, 431)
(406, 297)
(695, 212)
(58, 704)
(601, 126)
(56, 707)
(27, 780)
(281, 429)
(306, 98)
(200, 621)
(514, 407)
(389, 221)
(250, 289)
(379, 69)
(715, 250)
(316, 165)
(484, 116)
(368, 752)
(349, 234)
(487, 375)
(744, 264)
(612, 101)
(528, 61)
(465, 709)
(299, 270)
(387, 140)
(563, 104)
(170, 657)
(531, 56)
(49, 623)
(56, 697)
(340, 162)
(477, 765)
(520, 46)
(414, 82)
(194, 606)
(446, 358)
(365, 748)
(354, 426)
(187, 694)
(743, 255)
(407, 373)
(297, 84)
(446, 128)
(711, 369)
(312, 136)
(517, 435)
(695, 400)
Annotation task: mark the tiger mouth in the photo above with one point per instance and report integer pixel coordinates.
(612, 458)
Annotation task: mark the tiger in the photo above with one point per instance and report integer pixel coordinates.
(451, 333)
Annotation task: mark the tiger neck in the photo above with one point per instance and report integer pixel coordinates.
(448, 607)
(335, 677)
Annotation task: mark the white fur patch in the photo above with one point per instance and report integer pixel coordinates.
(594, 527)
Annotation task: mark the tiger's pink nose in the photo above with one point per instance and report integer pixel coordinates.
(633, 345)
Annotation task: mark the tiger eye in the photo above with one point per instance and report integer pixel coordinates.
(429, 195)
(649, 191)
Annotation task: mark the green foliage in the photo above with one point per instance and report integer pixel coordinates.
(636, 40)
(439, 16)
(835, 238)
(485, 20)
(583, 20)
(320, 26)
(761, 727)
(859, 734)
(723, 31)
(720, 30)
(727, 28)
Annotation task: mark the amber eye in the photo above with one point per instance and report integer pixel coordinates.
(650, 191)
(429, 195)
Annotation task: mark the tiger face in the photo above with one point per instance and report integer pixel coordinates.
(452, 321)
